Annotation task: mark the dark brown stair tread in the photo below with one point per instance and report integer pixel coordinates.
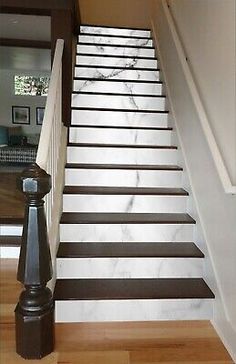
(121, 127)
(113, 45)
(143, 111)
(114, 56)
(115, 36)
(125, 218)
(130, 68)
(116, 80)
(131, 146)
(151, 167)
(109, 289)
(124, 249)
(9, 220)
(10, 240)
(116, 94)
(100, 190)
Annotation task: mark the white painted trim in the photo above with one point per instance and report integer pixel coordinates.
(46, 131)
(216, 155)
(221, 295)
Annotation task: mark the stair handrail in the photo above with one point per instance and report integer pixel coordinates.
(47, 125)
(220, 165)
(34, 313)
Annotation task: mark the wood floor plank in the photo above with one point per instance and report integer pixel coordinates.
(168, 342)
(94, 357)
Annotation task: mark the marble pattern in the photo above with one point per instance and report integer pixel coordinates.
(101, 39)
(126, 232)
(127, 87)
(115, 31)
(119, 102)
(133, 310)
(124, 203)
(116, 51)
(129, 268)
(90, 117)
(129, 178)
(115, 310)
(116, 74)
(121, 155)
(119, 136)
(116, 62)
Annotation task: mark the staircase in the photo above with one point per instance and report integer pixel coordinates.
(127, 249)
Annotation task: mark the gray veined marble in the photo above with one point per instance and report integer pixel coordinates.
(102, 155)
(119, 102)
(99, 39)
(115, 31)
(129, 268)
(116, 62)
(116, 51)
(127, 87)
(124, 203)
(88, 117)
(123, 74)
(126, 232)
(119, 136)
(133, 310)
(120, 178)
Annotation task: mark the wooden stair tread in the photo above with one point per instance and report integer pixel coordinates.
(109, 289)
(131, 146)
(142, 111)
(116, 94)
(10, 240)
(9, 220)
(122, 127)
(113, 45)
(129, 250)
(76, 78)
(153, 167)
(125, 218)
(100, 190)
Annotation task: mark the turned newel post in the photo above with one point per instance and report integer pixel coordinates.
(34, 313)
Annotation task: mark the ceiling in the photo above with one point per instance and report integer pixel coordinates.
(29, 27)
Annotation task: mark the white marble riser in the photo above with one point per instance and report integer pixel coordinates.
(116, 62)
(128, 178)
(116, 51)
(9, 252)
(119, 102)
(124, 203)
(126, 232)
(10, 230)
(121, 155)
(116, 74)
(84, 268)
(115, 31)
(103, 39)
(131, 88)
(120, 136)
(133, 310)
(88, 117)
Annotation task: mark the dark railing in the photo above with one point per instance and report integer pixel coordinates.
(34, 313)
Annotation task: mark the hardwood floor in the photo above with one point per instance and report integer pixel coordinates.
(11, 199)
(179, 342)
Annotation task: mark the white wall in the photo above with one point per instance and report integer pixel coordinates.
(8, 99)
(216, 209)
(207, 32)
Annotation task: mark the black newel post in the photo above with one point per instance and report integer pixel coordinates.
(34, 313)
